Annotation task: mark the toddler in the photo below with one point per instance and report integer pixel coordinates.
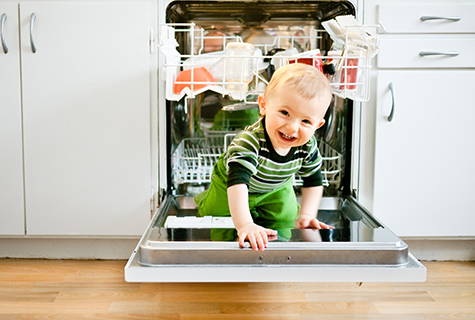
(252, 180)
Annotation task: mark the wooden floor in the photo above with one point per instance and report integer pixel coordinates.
(52, 289)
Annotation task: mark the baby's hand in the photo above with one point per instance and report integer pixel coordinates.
(256, 235)
(308, 221)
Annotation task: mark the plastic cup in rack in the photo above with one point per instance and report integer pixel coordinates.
(312, 58)
(351, 70)
(239, 68)
(217, 65)
(280, 58)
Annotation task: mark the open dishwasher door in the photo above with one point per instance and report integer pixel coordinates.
(178, 246)
(198, 117)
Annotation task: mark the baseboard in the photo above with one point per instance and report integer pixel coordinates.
(67, 248)
(442, 249)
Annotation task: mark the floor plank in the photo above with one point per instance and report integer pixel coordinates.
(321, 287)
(97, 316)
(362, 317)
(369, 296)
(241, 317)
(425, 307)
(300, 308)
(164, 307)
(28, 296)
(28, 307)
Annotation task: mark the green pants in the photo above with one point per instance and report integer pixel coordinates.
(277, 209)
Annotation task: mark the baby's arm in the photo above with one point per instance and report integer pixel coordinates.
(242, 219)
(311, 198)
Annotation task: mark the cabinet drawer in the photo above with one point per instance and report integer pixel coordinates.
(405, 18)
(406, 53)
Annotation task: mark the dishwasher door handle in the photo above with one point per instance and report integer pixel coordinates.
(2, 28)
(391, 114)
(439, 53)
(32, 42)
(426, 18)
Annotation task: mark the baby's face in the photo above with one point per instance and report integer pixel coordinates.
(290, 119)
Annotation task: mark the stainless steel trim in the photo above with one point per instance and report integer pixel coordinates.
(32, 42)
(204, 253)
(426, 18)
(4, 44)
(356, 212)
(439, 53)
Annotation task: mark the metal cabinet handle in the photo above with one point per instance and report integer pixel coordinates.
(439, 53)
(4, 44)
(425, 18)
(32, 42)
(391, 115)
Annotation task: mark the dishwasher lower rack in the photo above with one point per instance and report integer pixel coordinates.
(194, 158)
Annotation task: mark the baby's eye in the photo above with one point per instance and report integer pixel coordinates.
(306, 121)
(285, 113)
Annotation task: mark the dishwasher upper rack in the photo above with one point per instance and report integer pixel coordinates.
(352, 64)
(194, 158)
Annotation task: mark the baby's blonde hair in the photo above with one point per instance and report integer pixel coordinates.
(307, 80)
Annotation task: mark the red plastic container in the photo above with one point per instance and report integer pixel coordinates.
(349, 75)
(313, 59)
(199, 75)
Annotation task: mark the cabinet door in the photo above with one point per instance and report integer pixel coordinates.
(424, 168)
(11, 162)
(86, 114)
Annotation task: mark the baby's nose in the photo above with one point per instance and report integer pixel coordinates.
(292, 126)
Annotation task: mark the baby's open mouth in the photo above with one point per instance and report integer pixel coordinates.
(286, 137)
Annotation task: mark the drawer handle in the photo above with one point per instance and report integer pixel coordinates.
(391, 114)
(32, 42)
(425, 18)
(4, 44)
(439, 53)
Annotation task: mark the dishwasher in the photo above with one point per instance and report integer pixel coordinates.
(215, 58)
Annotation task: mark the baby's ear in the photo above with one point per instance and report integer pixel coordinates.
(261, 100)
(321, 123)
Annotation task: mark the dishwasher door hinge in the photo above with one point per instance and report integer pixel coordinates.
(161, 196)
(154, 201)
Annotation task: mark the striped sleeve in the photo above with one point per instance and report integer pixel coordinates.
(314, 180)
(237, 175)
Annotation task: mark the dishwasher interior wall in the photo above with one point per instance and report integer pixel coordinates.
(203, 121)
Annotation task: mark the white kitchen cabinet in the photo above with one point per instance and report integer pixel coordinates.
(85, 95)
(423, 169)
(11, 165)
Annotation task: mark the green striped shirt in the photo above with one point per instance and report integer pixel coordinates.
(251, 159)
